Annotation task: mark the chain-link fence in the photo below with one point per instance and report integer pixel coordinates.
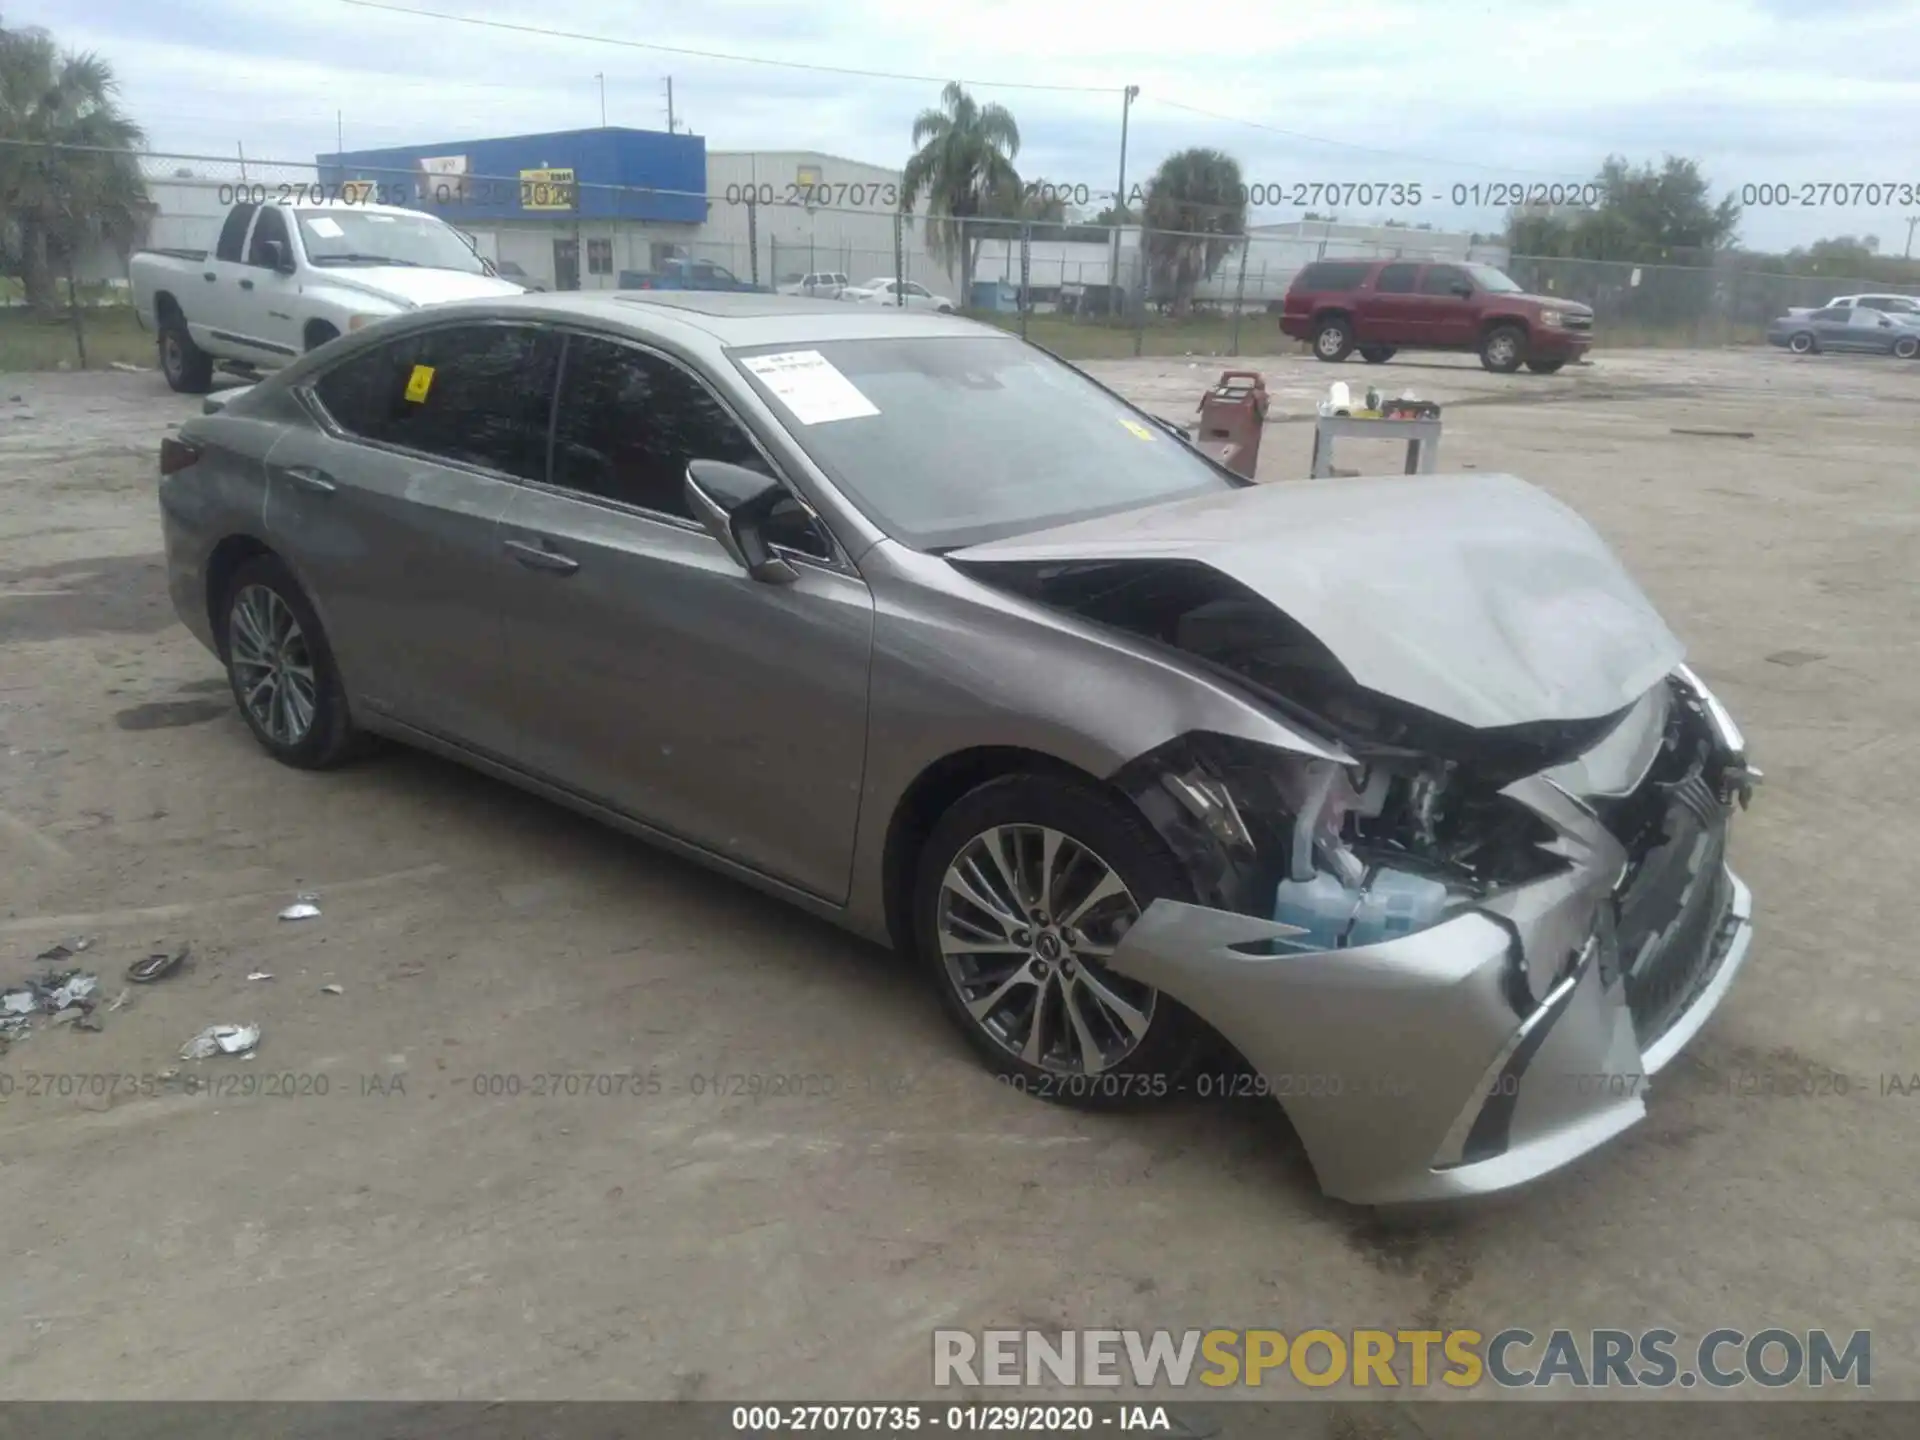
(1081, 290)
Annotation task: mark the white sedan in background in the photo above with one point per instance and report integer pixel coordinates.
(886, 290)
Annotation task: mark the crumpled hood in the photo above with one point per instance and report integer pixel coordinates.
(405, 285)
(1477, 597)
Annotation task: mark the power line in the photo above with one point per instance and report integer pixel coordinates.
(720, 55)
(1343, 144)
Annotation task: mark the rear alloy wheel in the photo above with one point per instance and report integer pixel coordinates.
(188, 368)
(1802, 344)
(1376, 354)
(1333, 341)
(1906, 347)
(282, 670)
(1504, 347)
(1545, 367)
(1026, 886)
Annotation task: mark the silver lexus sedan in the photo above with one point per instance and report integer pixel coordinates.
(1395, 790)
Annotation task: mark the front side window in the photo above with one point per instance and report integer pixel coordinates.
(629, 422)
(1441, 279)
(476, 394)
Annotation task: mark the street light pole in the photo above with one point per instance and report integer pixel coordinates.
(1127, 97)
(603, 100)
(1912, 220)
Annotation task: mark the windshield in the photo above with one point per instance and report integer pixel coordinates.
(344, 235)
(955, 440)
(1488, 278)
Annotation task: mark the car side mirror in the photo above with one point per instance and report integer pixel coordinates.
(734, 502)
(276, 253)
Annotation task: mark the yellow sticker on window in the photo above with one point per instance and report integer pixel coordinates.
(1138, 429)
(419, 383)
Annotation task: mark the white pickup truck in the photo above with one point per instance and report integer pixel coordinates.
(284, 278)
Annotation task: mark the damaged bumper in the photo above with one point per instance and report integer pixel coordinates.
(1509, 1038)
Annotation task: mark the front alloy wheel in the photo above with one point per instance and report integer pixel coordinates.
(273, 669)
(1026, 917)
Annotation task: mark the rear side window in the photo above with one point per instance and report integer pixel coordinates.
(1838, 312)
(1396, 279)
(630, 421)
(1333, 275)
(476, 394)
(233, 234)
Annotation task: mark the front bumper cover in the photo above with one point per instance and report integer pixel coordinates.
(1493, 1047)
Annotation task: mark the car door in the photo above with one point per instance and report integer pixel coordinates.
(1448, 317)
(265, 316)
(1391, 313)
(389, 508)
(212, 307)
(1836, 329)
(653, 674)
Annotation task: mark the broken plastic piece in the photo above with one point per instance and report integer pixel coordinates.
(332, 990)
(19, 1002)
(71, 990)
(221, 1040)
(156, 965)
(260, 975)
(302, 908)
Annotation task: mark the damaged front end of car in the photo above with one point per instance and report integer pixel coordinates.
(1452, 980)
(1457, 952)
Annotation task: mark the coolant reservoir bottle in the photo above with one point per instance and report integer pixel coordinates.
(1389, 904)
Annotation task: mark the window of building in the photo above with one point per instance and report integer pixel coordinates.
(599, 257)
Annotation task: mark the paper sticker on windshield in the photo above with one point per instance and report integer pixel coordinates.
(419, 383)
(326, 227)
(808, 385)
(1137, 428)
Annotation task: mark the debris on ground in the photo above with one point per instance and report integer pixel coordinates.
(1713, 434)
(332, 990)
(260, 975)
(54, 954)
(221, 1040)
(159, 964)
(19, 1002)
(64, 996)
(303, 908)
(119, 1002)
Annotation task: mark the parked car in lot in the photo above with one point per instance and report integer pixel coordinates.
(681, 274)
(1905, 308)
(1380, 307)
(901, 294)
(1846, 327)
(284, 279)
(1400, 784)
(823, 285)
(510, 270)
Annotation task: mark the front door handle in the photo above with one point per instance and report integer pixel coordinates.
(308, 478)
(246, 284)
(536, 557)
(209, 276)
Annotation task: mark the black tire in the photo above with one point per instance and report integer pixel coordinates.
(1803, 343)
(329, 737)
(188, 368)
(1545, 367)
(1333, 339)
(319, 334)
(1376, 354)
(1173, 1039)
(1503, 349)
(1906, 347)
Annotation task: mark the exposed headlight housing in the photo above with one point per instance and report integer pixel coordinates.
(1552, 319)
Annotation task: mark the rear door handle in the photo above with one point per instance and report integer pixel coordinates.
(209, 277)
(536, 557)
(308, 478)
(246, 284)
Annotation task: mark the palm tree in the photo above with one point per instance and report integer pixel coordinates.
(964, 164)
(76, 180)
(1195, 213)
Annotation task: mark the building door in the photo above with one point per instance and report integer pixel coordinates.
(566, 264)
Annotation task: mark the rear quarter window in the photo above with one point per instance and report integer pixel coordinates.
(1332, 275)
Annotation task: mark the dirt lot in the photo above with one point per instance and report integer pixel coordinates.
(403, 1236)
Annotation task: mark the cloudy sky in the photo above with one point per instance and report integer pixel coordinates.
(1786, 92)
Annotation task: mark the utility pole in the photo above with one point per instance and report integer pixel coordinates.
(241, 146)
(669, 105)
(603, 100)
(1127, 97)
(339, 134)
(1912, 220)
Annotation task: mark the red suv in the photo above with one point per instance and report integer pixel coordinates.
(1380, 306)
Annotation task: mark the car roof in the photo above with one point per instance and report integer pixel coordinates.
(726, 319)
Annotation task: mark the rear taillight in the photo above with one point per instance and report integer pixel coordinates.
(176, 455)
